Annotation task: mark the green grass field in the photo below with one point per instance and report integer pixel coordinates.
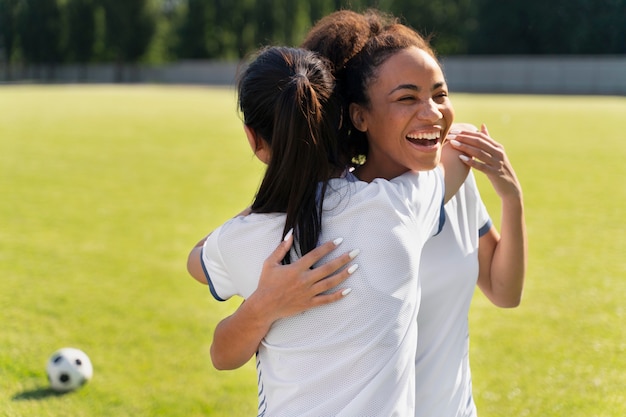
(106, 188)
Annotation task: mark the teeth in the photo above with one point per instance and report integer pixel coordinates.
(424, 135)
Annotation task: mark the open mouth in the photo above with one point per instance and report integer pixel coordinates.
(424, 139)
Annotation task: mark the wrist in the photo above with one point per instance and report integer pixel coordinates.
(259, 311)
(513, 198)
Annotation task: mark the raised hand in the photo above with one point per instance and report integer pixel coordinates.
(502, 256)
(484, 154)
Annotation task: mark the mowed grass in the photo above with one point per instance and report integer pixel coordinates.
(563, 351)
(106, 188)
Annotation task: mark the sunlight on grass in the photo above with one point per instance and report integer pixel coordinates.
(562, 351)
(106, 188)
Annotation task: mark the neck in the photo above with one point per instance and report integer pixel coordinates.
(368, 173)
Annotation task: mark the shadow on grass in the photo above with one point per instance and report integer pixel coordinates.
(38, 394)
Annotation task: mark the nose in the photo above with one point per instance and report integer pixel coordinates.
(430, 111)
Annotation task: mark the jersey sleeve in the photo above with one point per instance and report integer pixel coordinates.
(425, 191)
(484, 220)
(442, 210)
(433, 189)
(213, 265)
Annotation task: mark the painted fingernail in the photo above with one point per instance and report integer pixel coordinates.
(464, 157)
(354, 253)
(454, 132)
(455, 142)
(288, 235)
(353, 268)
(338, 241)
(346, 291)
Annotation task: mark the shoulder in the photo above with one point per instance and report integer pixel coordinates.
(419, 178)
(468, 193)
(422, 185)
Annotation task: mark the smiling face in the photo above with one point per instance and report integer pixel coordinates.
(407, 117)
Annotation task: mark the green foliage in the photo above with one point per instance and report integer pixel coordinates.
(130, 26)
(39, 29)
(81, 28)
(107, 188)
(555, 27)
(447, 22)
(8, 17)
(156, 31)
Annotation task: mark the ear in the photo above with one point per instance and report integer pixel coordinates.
(357, 116)
(258, 145)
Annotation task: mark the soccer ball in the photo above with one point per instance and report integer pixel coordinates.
(68, 369)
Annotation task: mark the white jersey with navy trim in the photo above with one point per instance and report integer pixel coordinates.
(354, 357)
(448, 274)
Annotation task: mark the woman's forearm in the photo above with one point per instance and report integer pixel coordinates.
(237, 337)
(502, 281)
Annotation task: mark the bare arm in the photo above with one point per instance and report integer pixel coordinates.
(502, 256)
(194, 265)
(455, 170)
(283, 291)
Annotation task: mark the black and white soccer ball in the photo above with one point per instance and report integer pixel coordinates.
(68, 369)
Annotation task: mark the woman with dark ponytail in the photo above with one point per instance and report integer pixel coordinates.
(283, 96)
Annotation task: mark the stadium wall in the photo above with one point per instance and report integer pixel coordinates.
(599, 75)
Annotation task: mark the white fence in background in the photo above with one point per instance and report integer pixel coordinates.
(600, 75)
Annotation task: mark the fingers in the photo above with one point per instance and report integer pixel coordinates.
(281, 251)
(323, 280)
(331, 267)
(322, 277)
(314, 256)
(481, 152)
(330, 298)
(306, 263)
(483, 128)
(466, 140)
(468, 127)
(330, 274)
(326, 284)
(479, 145)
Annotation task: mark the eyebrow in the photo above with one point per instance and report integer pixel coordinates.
(413, 87)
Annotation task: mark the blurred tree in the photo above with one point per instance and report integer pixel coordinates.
(39, 30)
(266, 23)
(130, 25)
(243, 26)
(8, 32)
(320, 8)
(166, 14)
(193, 30)
(604, 33)
(446, 22)
(221, 37)
(556, 27)
(81, 30)
(234, 34)
(45, 32)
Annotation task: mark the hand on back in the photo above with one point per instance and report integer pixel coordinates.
(291, 289)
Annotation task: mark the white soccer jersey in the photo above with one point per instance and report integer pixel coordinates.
(354, 357)
(448, 274)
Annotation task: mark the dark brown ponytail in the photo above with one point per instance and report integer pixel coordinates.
(283, 95)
